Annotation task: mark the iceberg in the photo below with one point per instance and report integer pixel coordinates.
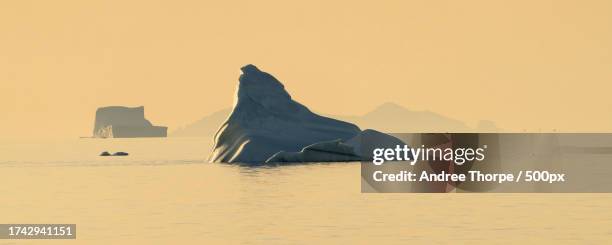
(266, 125)
(358, 148)
(125, 122)
(266, 120)
(328, 151)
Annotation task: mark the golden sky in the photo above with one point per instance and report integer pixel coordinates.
(523, 64)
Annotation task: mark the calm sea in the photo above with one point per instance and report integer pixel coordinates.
(165, 192)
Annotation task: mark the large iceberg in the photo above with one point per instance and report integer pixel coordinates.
(266, 125)
(125, 122)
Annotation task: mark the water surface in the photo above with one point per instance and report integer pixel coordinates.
(166, 193)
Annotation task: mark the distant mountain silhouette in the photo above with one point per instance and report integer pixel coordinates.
(205, 127)
(393, 118)
(388, 117)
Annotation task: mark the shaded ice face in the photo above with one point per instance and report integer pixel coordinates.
(264, 89)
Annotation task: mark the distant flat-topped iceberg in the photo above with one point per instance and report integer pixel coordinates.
(125, 122)
(266, 125)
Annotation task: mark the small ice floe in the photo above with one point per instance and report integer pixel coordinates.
(119, 153)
